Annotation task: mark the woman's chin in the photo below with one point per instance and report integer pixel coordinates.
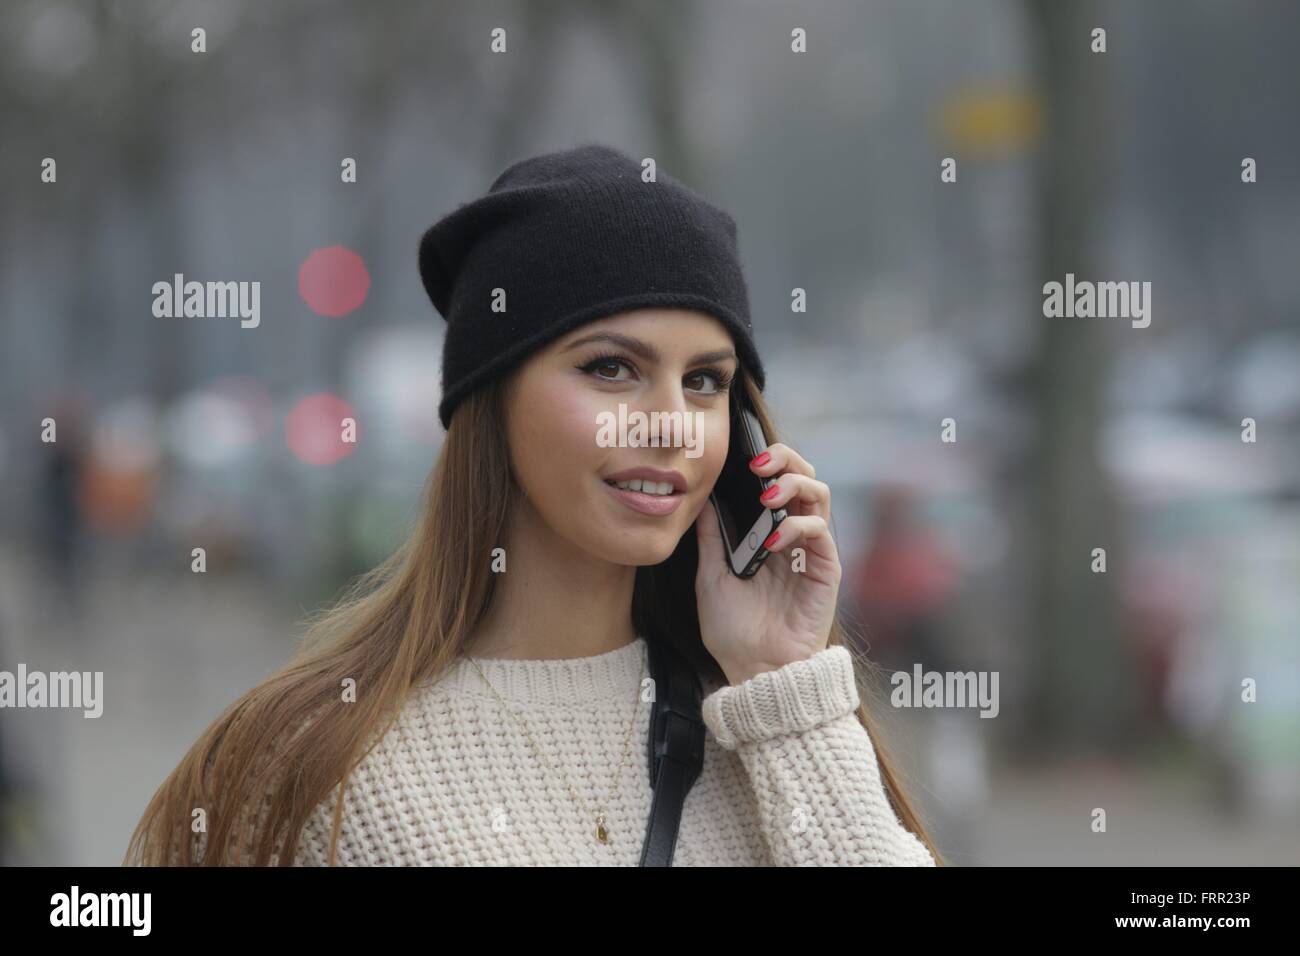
(640, 548)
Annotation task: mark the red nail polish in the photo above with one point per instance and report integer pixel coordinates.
(760, 459)
(771, 540)
(770, 493)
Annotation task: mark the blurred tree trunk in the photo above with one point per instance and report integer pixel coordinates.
(1082, 682)
(659, 41)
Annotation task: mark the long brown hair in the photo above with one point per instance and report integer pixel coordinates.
(255, 775)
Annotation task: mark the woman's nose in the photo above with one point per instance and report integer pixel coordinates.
(669, 401)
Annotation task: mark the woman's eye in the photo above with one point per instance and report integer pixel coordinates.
(703, 382)
(708, 377)
(600, 366)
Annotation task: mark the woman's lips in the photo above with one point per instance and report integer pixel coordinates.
(655, 505)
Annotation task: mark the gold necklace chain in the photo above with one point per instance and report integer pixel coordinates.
(602, 830)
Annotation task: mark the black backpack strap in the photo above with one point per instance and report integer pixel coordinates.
(676, 749)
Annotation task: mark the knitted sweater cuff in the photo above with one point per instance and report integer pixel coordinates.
(788, 700)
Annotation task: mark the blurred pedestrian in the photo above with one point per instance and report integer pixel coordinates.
(61, 527)
(902, 585)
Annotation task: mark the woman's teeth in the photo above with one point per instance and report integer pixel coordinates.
(645, 487)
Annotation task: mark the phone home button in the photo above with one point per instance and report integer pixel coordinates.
(753, 540)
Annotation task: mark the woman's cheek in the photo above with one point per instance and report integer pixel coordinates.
(576, 425)
(568, 459)
(717, 435)
(554, 435)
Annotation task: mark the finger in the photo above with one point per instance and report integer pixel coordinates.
(781, 458)
(810, 530)
(813, 496)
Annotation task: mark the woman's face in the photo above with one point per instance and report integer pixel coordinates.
(568, 438)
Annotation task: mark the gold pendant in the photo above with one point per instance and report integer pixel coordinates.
(601, 833)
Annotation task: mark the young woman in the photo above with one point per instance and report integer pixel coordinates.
(478, 698)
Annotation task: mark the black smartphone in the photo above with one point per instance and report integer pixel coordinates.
(744, 520)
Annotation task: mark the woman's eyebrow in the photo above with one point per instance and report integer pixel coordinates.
(645, 350)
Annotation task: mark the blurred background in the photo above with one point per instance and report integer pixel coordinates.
(1119, 690)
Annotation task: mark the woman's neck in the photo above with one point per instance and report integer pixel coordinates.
(554, 600)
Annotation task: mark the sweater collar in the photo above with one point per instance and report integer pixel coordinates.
(570, 681)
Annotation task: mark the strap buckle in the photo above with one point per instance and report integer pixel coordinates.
(681, 737)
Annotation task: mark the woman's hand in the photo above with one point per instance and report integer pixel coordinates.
(780, 615)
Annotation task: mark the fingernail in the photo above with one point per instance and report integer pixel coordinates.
(770, 493)
(760, 459)
(771, 540)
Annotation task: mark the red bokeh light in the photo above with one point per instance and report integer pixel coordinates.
(315, 430)
(333, 281)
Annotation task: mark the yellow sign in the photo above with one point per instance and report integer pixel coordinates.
(991, 120)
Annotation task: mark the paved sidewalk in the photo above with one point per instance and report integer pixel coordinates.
(174, 651)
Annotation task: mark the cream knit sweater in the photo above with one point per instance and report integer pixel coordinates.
(789, 778)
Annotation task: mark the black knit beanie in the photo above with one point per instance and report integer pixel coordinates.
(571, 237)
